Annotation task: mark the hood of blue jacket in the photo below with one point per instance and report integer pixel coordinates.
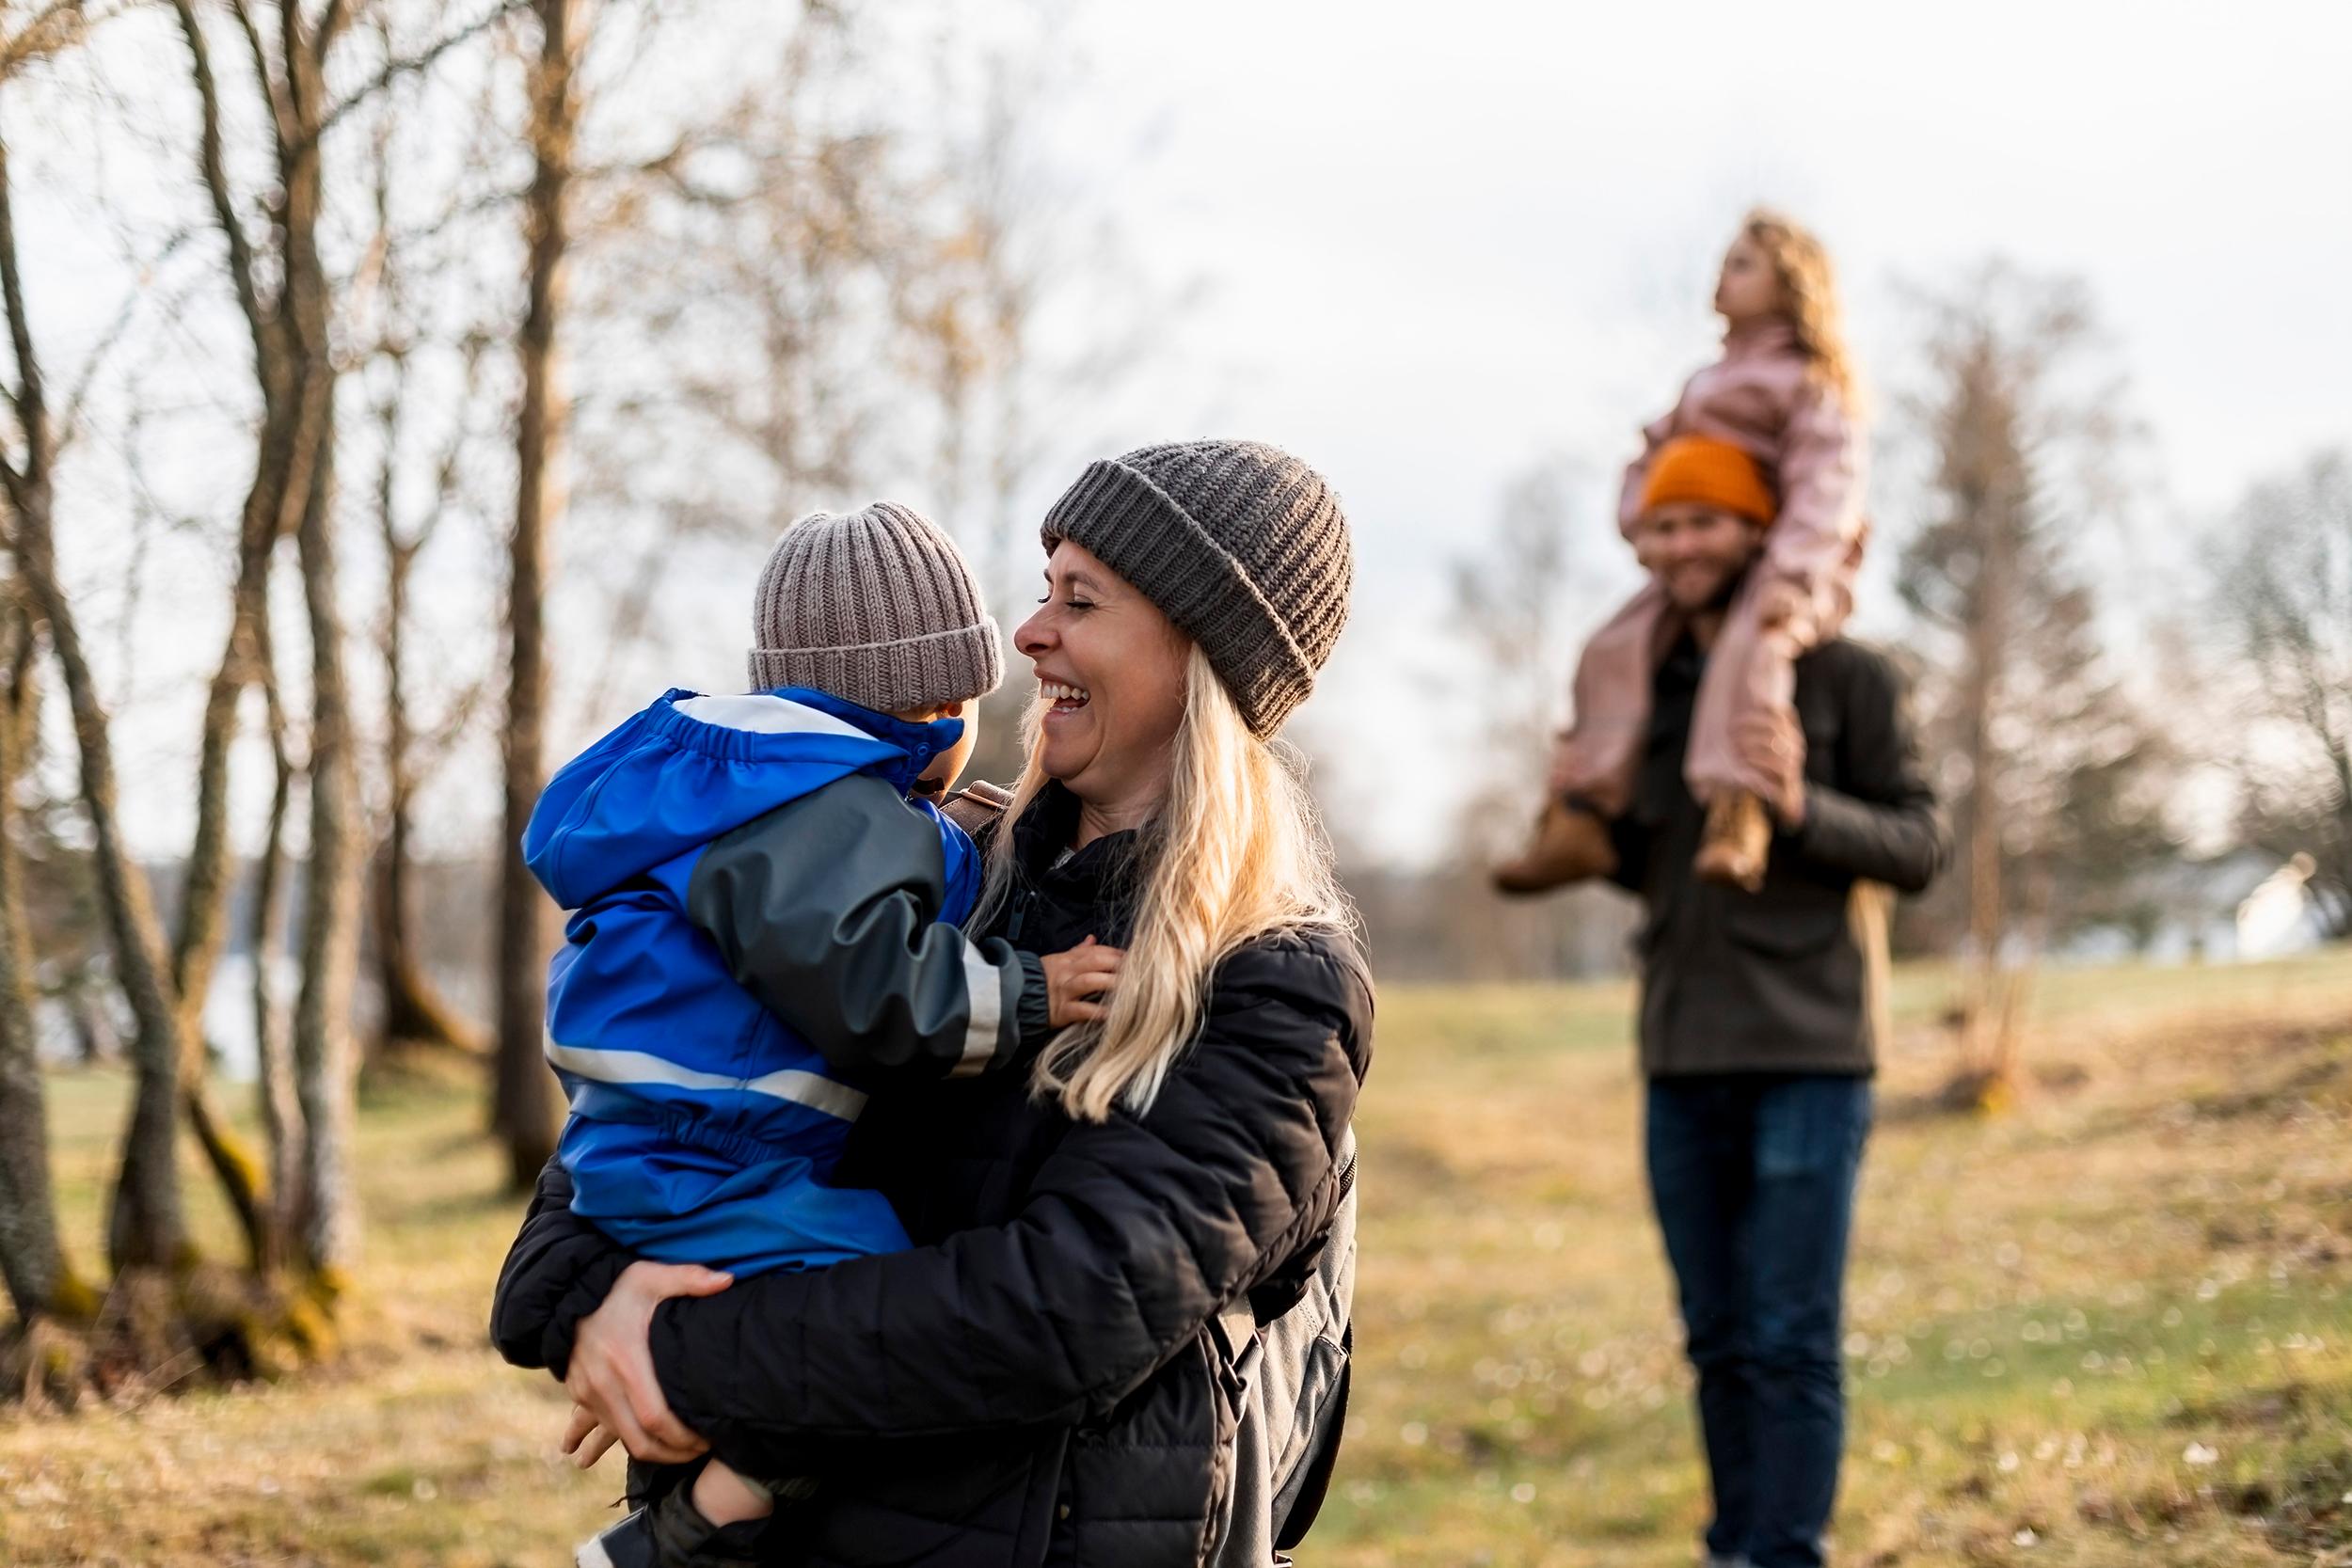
(692, 767)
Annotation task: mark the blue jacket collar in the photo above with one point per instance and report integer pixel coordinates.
(918, 743)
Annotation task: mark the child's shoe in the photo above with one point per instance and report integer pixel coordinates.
(1737, 843)
(1570, 845)
(626, 1544)
(671, 1533)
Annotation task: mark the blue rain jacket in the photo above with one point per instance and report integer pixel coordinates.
(703, 1129)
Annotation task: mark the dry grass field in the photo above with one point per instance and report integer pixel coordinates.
(2111, 1327)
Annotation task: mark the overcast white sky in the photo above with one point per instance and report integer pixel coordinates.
(1441, 245)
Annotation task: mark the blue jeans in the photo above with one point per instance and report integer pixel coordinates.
(1753, 1176)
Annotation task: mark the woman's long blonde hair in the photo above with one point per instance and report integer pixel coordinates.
(1809, 285)
(1237, 851)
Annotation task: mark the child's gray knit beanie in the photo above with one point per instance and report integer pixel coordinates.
(1240, 544)
(876, 606)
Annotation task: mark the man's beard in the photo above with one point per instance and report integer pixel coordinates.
(1730, 589)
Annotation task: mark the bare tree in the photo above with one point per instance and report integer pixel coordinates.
(1509, 599)
(286, 296)
(2046, 746)
(970, 298)
(525, 1109)
(2284, 598)
(414, 1011)
(40, 1280)
(817, 295)
(33, 1264)
(753, 252)
(327, 1218)
(279, 1107)
(291, 450)
(147, 1224)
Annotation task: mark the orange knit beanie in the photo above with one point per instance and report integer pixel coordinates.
(1702, 470)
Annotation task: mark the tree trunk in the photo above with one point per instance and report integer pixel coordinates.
(289, 453)
(33, 1262)
(328, 1232)
(1871, 917)
(1984, 880)
(414, 1011)
(273, 1084)
(204, 892)
(1981, 687)
(324, 1077)
(291, 436)
(524, 1105)
(284, 453)
(146, 1224)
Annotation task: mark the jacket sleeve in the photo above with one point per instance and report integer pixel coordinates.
(827, 910)
(1881, 821)
(1136, 1233)
(559, 1269)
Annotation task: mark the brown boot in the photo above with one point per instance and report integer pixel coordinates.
(1737, 843)
(1570, 845)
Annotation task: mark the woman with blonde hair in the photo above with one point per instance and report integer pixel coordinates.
(1123, 1335)
(1783, 398)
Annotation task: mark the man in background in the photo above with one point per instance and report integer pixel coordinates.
(1760, 1012)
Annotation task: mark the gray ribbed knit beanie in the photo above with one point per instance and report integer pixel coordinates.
(1241, 545)
(876, 606)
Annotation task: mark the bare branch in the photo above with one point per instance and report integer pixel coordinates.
(411, 65)
(31, 412)
(56, 27)
(70, 422)
(265, 73)
(215, 172)
(294, 50)
(332, 21)
(446, 472)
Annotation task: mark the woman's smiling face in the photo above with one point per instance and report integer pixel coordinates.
(1113, 666)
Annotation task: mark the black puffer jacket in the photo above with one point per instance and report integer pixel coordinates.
(1043, 1380)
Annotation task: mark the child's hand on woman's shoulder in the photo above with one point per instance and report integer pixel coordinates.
(1078, 982)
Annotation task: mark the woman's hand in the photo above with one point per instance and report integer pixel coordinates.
(1077, 980)
(615, 1395)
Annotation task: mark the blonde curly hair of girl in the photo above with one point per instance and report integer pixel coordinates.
(1810, 287)
(1238, 852)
